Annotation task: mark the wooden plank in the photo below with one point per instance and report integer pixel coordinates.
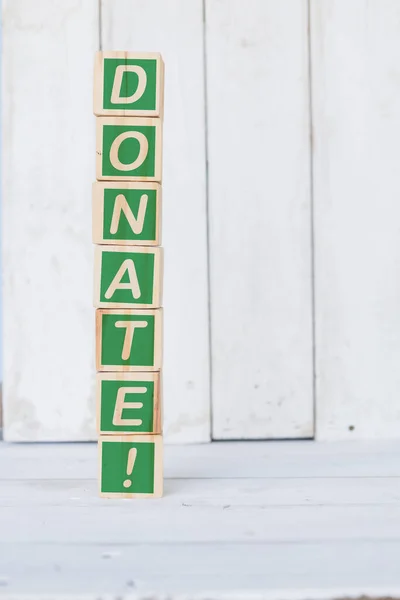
(356, 124)
(128, 277)
(230, 460)
(176, 30)
(235, 494)
(48, 167)
(197, 524)
(260, 240)
(291, 571)
(127, 213)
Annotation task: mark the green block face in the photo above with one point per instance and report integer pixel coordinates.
(127, 467)
(127, 213)
(129, 406)
(129, 149)
(130, 84)
(128, 277)
(128, 340)
(142, 204)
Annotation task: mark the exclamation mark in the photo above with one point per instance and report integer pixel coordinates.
(129, 467)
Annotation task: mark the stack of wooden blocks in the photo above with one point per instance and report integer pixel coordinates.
(128, 103)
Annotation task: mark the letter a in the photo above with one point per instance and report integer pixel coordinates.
(133, 285)
(116, 97)
(122, 206)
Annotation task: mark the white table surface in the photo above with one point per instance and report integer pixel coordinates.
(279, 520)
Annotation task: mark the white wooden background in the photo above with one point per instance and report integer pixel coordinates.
(281, 214)
(259, 218)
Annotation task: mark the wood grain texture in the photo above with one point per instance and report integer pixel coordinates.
(203, 525)
(356, 125)
(242, 521)
(259, 206)
(48, 166)
(295, 460)
(175, 29)
(258, 493)
(287, 571)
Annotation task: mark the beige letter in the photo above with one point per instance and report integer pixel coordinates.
(130, 327)
(133, 285)
(132, 454)
(120, 404)
(121, 205)
(143, 150)
(117, 84)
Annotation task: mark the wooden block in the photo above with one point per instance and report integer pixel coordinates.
(131, 466)
(128, 340)
(128, 149)
(128, 277)
(128, 403)
(127, 213)
(128, 84)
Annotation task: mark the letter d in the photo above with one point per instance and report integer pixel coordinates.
(116, 97)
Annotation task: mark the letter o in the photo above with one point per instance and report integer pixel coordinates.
(143, 151)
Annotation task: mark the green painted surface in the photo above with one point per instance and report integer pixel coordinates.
(130, 83)
(108, 398)
(142, 265)
(115, 465)
(133, 199)
(129, 151)
(112, 341)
